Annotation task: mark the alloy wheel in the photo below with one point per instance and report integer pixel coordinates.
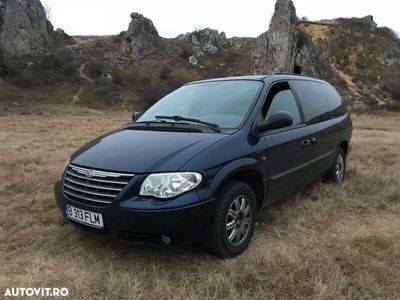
(238, 220)
(339, 168)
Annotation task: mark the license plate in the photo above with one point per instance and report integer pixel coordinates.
(84, 217)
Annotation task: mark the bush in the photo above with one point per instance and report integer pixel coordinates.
(71, 73)
(51, 62)
(70, 70)
(118, 79)
(95, 69)
(3, 70)
(391, 85)
(151, 91)
(165, 72)
(303, 39)
(185, 53)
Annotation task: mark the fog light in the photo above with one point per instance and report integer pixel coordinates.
(166, 239)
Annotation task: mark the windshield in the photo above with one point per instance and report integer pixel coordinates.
(224, 103)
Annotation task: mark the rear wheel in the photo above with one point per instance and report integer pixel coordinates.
(233, 220)
(338, 169)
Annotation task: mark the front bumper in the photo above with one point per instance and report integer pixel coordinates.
(123, 220)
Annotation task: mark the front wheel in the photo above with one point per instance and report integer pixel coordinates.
(233, 220)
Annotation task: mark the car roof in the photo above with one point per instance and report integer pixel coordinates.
(269, 77)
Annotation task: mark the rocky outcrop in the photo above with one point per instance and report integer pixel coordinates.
(25, 30)
(285, 48)
(275, 50)
(59, 38)
(205, 40)
(23, 27)
(140, 40)
(365, 56)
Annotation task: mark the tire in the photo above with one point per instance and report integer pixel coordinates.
(235, 207)
(337, 172)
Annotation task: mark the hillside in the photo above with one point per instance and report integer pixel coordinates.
(137, 67)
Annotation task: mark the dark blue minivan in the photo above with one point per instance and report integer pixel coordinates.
(202, 162)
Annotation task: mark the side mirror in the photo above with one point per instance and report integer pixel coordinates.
(136, 115)
(277, 120)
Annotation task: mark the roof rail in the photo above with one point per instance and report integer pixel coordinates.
(287, 73)
(291, 74)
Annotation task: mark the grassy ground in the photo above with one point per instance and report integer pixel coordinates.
(326, 242)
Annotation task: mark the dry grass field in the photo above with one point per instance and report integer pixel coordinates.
(326, 242)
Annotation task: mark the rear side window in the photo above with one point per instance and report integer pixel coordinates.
(319, 101)
(335, 104)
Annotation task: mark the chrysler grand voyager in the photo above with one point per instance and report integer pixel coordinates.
(201, 163)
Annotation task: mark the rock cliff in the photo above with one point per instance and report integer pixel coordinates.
(25, 30)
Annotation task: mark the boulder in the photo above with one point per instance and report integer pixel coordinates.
(193, 60)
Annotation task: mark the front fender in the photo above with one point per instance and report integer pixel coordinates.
(229, 170)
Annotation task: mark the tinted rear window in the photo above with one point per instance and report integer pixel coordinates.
(319, 101)
(335, 103)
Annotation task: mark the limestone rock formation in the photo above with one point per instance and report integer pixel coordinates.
(276, 49)
(205, 40)
(23, 27)
(140, 40)
(25, 30)
(285, 48)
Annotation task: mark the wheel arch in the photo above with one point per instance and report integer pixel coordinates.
(247, 171)
(344, 144)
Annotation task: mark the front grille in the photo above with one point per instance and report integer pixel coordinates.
(93, 187)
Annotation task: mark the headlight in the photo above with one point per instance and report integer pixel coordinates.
(169, 185)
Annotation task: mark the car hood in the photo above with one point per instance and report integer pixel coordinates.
(142, 151)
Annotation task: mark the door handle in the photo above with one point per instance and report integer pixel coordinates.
(305, 143)
(314, 140)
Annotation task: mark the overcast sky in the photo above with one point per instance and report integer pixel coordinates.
(234, 17)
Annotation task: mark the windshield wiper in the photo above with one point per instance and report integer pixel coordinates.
(213, 126)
